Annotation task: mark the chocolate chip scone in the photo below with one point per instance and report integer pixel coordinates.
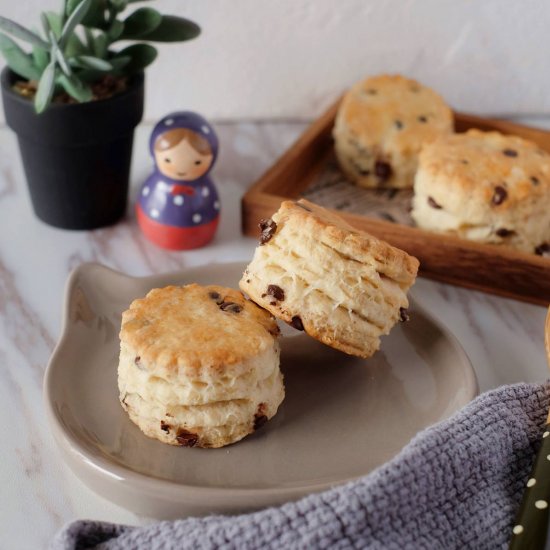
(380, 127)
(199, 366)
(342, 286)
(486, 187)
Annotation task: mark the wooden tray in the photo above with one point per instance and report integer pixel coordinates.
(495, 269)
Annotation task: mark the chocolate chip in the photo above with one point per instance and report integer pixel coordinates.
(186, 439)
(434, 204)
(398, 124)
(231, 307)
(543, 249)
(510, 152)
(268, 228)
(464, 161)
(382, 170)
(500, 195)
(137, 363)
(414, 89)
(363, 172)
(215, 296)
(372, 91)
(535, 180)
(422, 118)
(259, 420)
(306, 208)
(277, 292)
(403, 314)
(503, 232)
(165, 427)
(296, 322)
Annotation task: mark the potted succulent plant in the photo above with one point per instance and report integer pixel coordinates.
(74, 101)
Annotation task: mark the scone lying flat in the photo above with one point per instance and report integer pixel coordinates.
(486, 187)
(342, 286)
(199, 366)
(380, 127)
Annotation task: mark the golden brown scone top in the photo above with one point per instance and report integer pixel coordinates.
(491, 167)
(196, 326)
(351, 243)
(381, 102)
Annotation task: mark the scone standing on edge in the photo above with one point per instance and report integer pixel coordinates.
(199, 366)
(380, 127)
(342, 286)
(486, 187)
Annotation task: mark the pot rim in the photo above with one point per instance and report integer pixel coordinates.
(135, 81)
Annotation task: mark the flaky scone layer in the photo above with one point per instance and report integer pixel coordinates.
(342, 286)
(199, 366)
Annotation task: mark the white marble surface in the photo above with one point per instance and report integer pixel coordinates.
(503, 338)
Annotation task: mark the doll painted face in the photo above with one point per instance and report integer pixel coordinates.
(182, 154)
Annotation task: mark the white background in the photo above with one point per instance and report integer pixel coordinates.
(291, 58)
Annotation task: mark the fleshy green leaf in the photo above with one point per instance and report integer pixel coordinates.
(73, 20)
(58, 55)
(117, 27)
(75, 46)
(51, 21)
(18, 31)
(140, 56)
(119, 5)
(100, 44)
(75, 88)
(173, 29)
(45, 89)
(89, 75)
(18, 61)
(90, 62)
(120, 62)
(40, 58)
(70, 6)
(141, 22)
(96, 16)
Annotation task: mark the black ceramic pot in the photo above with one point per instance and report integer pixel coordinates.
(76, 157)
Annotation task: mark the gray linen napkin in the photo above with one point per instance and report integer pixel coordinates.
(455, 485)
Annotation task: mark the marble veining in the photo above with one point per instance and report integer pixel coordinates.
(503, 338)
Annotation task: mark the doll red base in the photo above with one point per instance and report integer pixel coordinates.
(176, 238)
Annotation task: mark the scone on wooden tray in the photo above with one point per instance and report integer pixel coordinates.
(380, 127)
(486, 187)
(199, 365)
(342, 286)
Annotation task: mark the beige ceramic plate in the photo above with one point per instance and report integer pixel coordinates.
(342, 416)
